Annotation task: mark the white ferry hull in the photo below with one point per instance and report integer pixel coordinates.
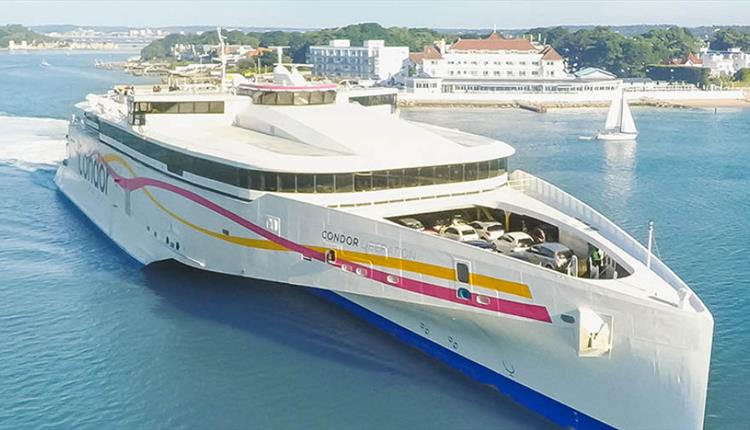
(655, 376)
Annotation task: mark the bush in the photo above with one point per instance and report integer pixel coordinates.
(742, 75)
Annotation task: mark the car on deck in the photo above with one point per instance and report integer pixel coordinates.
(412, 223)
(516, 241)
(488, 230)
(460, 232)
(552, 255)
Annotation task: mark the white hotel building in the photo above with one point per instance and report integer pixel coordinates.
(373, 60)
(497, 64)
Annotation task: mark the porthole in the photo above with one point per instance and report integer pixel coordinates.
(177, 245)
(361, 271)
(392, 279)
(570, 319)
(463, 294)
(482, 300)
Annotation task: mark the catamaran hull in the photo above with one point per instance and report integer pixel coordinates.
(655, 375)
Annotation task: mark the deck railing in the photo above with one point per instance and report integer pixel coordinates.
(569, 205)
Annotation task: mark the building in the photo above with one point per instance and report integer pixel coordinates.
(373, 60)
(493, 58)
(496, 64)
(724, 63)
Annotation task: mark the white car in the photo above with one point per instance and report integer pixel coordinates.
(488, 230)
(516, 241)
(412, 223)
(460, 232)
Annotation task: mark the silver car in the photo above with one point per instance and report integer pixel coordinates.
(488, 230)
(412, 223)
(552, 255)
(515, 241)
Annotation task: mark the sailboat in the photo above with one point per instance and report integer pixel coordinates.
(620, 124)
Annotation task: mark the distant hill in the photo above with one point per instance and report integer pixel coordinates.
(626, 30)
(702, 32)
(18, 33)
(188, 29)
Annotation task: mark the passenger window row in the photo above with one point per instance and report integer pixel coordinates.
(178, 162)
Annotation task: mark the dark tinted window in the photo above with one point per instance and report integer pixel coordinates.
(270, 183)
(426, 175)
(470, 172)
(305, 183)
(344, 183)
(362, 181)
(457, 172)
(323, 183)
(395, 178)
(483, 170)
(380, 180)
(411, 177)
(287, 183)
(462, 273)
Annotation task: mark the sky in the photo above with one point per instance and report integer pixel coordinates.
(408, 13)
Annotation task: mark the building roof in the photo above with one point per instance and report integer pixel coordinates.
(429, 53)
(549, 53)
(594, 73)
(694, 59)
(493, 42)
(416, 57)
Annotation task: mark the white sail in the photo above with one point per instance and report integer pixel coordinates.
(614, 116)
(628, 124)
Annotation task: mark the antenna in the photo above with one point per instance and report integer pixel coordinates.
(223, 59)
(650, 243)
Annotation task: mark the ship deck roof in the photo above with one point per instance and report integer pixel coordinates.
(339, 137)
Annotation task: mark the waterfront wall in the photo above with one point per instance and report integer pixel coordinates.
(571, 99)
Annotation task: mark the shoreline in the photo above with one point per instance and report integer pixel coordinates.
(543, 106)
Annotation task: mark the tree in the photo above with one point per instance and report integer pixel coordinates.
(743, 75)
(730, 38)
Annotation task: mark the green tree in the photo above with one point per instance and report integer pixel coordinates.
(730, 38)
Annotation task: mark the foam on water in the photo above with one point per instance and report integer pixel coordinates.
(32, 143)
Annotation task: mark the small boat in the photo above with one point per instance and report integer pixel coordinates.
(620, 124)
(44, 63)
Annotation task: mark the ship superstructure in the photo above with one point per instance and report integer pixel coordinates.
(306, 185)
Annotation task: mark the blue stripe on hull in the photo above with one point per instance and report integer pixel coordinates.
(553, 410)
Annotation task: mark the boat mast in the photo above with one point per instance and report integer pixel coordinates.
(650, 243)
(622, 109)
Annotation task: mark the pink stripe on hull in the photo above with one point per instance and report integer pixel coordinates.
(525, 310)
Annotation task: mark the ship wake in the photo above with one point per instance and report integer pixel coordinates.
(32, 143)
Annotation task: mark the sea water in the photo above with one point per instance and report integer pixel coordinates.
(90, 339)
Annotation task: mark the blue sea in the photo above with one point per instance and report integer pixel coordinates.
(89, 339)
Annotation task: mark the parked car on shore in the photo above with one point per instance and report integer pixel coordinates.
(488, 230)
(552, 255)
(516, 241)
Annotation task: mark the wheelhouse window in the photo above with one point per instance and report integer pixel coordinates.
(203, 107)
(289, 98)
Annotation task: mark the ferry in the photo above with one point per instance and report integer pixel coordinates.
(301, 184)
